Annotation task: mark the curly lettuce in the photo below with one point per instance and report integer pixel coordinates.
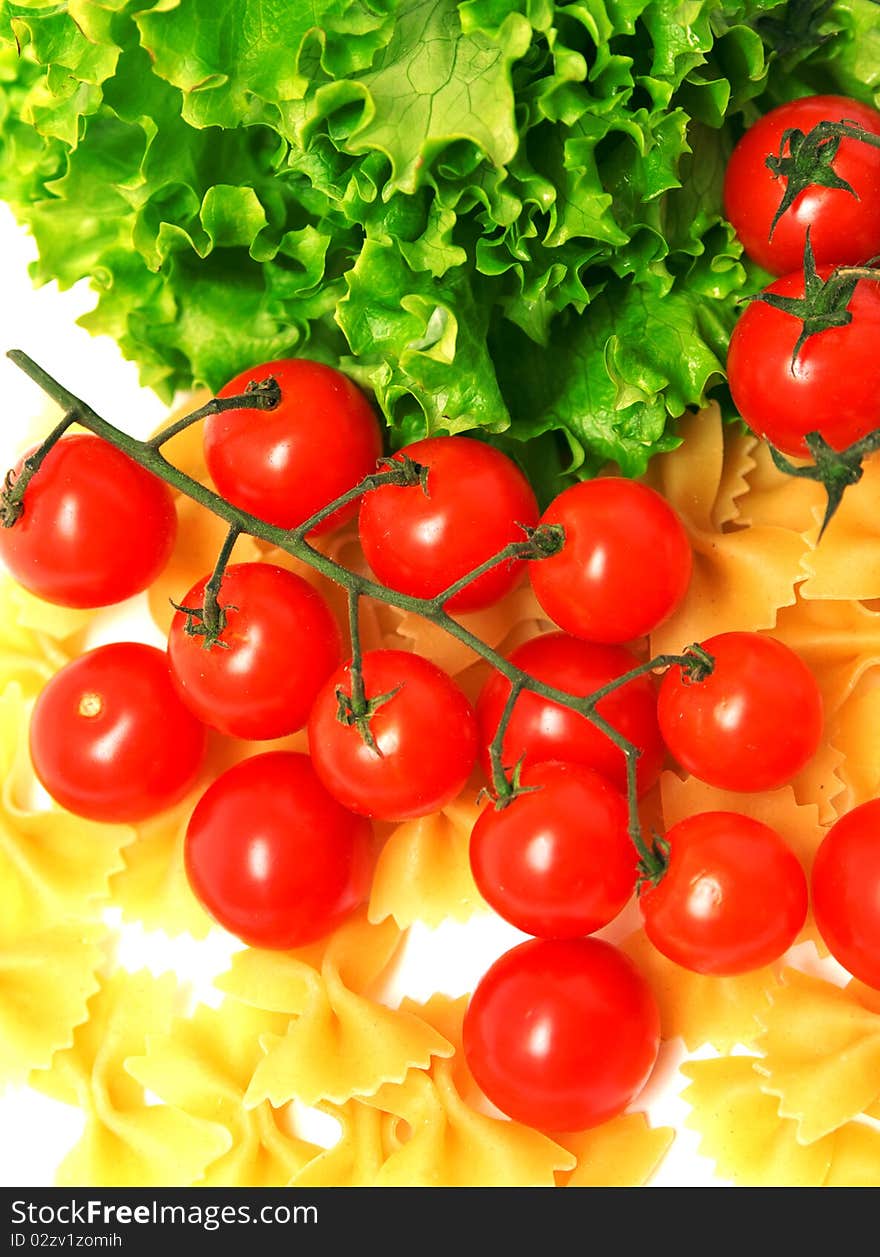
(501, 217)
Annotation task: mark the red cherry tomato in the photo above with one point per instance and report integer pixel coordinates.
(753, 724)
(424, 732)
(833, 387)
(625, 564)
(733, 898)
(557, 861)
(285, 464)
(562, 1034)
(477, 502)
(272, 857)
(279, 645)
(95, 529)
(540, 730)
(843, 227)
(846, 891)
(109, 738)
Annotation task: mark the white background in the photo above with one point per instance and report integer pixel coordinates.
(37, 1132)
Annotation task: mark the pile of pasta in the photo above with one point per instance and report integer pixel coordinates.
(781, 1068)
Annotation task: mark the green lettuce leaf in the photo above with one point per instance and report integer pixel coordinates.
(501, 216)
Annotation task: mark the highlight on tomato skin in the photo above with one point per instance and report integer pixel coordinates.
(110, 739)
(272, 856)
(540, 730)
(279, 644)
(423, 734)
(751, 725)
(557, 861)
(844, 225)
(733, 897)
(285, 464)
(845, 891)
(95, 528)
(476, 501)
(625, 564)
(562, 1034)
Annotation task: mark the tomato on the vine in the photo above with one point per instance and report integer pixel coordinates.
(753, 724)
(833, 385)
(285, 464)
(844, 225)
(109, 738)
(541, 730)
(625, 564)
(556, 861)
(415, 752)
(279, 644)
(845, 891)
(95, 528)
(272, 856)
(476, 501)
(733, 897)
(562, 1034)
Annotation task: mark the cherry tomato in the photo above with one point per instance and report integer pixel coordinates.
(846, 891)
(557, 861)
(562, 1034)
(753, 724)
(279, 645)
(833, 387)
(95, 527)
(540, 730)
(109, 738)
(477, 502)
(423, 729)
(733, 898)
(272, 857)
(625, 564)
(843, 227)
(285, 464)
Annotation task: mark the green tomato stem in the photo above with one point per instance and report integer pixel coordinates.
(538, 544)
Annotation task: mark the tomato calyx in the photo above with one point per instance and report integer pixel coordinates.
(834, 469)
(809, 160)
(825, 301)
(653, 862)
(401, 471)
(356, 711)
(209, 620)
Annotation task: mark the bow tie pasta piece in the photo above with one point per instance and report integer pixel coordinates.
(821, 1055)
(741, 576)
(700, 1008)
(203, 1067)
(46, 981)
(54, 867)
(741, 1131)
(127, 1141)
(339, 1042)
(846, 564)
(423, 871)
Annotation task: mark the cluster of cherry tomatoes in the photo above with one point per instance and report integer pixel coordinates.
(562, 1031)
(280, 847)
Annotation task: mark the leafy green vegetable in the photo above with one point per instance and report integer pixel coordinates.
(500, 216)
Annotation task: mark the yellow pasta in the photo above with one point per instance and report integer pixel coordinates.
(699, 1008)
(423, 872)
(741, 576)
(53, 867)
(624, 1152)
(46, 980)
(846, 563)
(203, 1067)
(752, 1146)
(127, 1141)
(820, 1055)
(338, 1043)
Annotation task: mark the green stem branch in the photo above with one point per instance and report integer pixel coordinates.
(358, 708)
